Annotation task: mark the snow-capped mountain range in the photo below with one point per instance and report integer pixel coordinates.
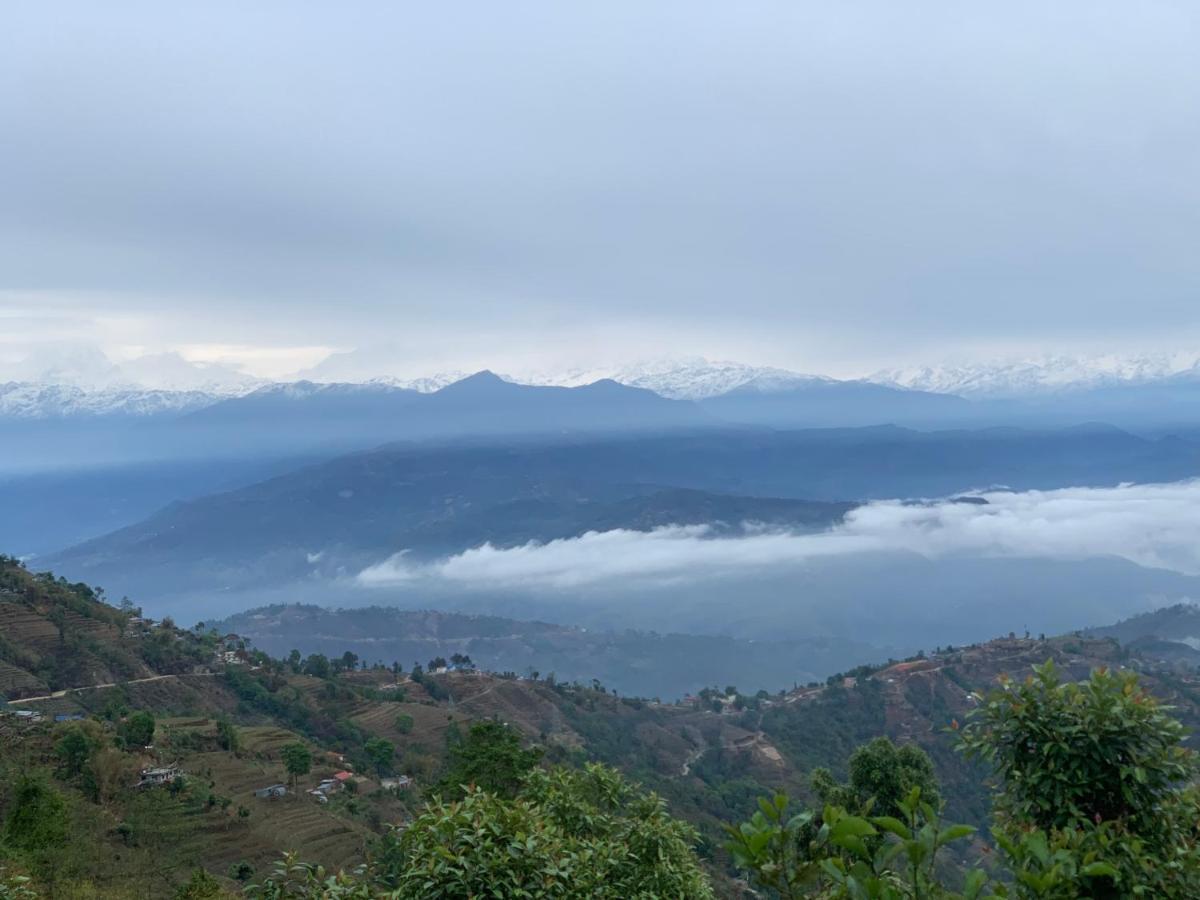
(1039, 376)
(682, 379)
(32, 400)
(92, 385)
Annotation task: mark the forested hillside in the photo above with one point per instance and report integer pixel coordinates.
(231, 720)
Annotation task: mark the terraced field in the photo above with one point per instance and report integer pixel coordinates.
(326, 834)
(17, 682)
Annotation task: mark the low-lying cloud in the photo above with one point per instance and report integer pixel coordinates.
(1155, 525)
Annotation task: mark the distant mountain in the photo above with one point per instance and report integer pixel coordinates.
(681, 379)
(480, 404)
(1038, 377)
(38, 401)
(431, 499)
(815, 403)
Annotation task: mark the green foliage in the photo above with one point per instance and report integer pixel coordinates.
(404, 723)
(297, 759)
(488, 757)
(569, 835)
(241, 871)
(228, 736)
(138, 729)
(15, 887)
(848, 856)
(1070, 754)
(318, 665)
(37, 818)
(73, 749)
(882, 775)
(382, 753)
(1095, 796)
(200, 886)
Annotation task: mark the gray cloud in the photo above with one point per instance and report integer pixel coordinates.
(819, 186)
(1151, 525)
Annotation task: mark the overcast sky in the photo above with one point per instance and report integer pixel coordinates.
(826, 186)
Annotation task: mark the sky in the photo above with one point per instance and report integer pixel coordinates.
(827, 187)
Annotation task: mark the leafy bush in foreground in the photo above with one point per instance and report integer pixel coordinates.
(1095, 800)
(568, 834)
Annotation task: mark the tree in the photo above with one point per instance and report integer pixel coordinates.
(317, 665)
(438, 662)
(569, 834)
(138, 729)
(1092, 774)
(404, 723)
(108, 774)
(381, 753)
(73, 750)
(228, 736)
(37, 817)
(880, 773)
(349, 661)
(489, 757)
(297, 759)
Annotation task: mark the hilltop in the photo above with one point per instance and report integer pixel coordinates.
(634, 662)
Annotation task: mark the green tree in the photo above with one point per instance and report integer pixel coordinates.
(381, 753)
(228, 736)
(297, 759)
(1094, 779)
(318, 665)
(881, 774)
(138, 729)
(404, 723)
(569, 834)
(488, 757)
(37, 818)
(73, 749)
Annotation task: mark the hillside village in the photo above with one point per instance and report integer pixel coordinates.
(247, 757)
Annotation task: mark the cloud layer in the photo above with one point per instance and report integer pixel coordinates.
(808, 185)
(1154, 525)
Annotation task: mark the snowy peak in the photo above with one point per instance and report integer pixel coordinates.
(688, 379)
(1045, 375)
(26, 400)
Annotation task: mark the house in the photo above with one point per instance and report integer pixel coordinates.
(318, 795)
(157, 775)
(343, 776)
(271, 792)
(403, 783)
(69, 717)
(328, 786)
(28, 715)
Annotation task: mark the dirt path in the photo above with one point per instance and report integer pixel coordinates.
(112, 684)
